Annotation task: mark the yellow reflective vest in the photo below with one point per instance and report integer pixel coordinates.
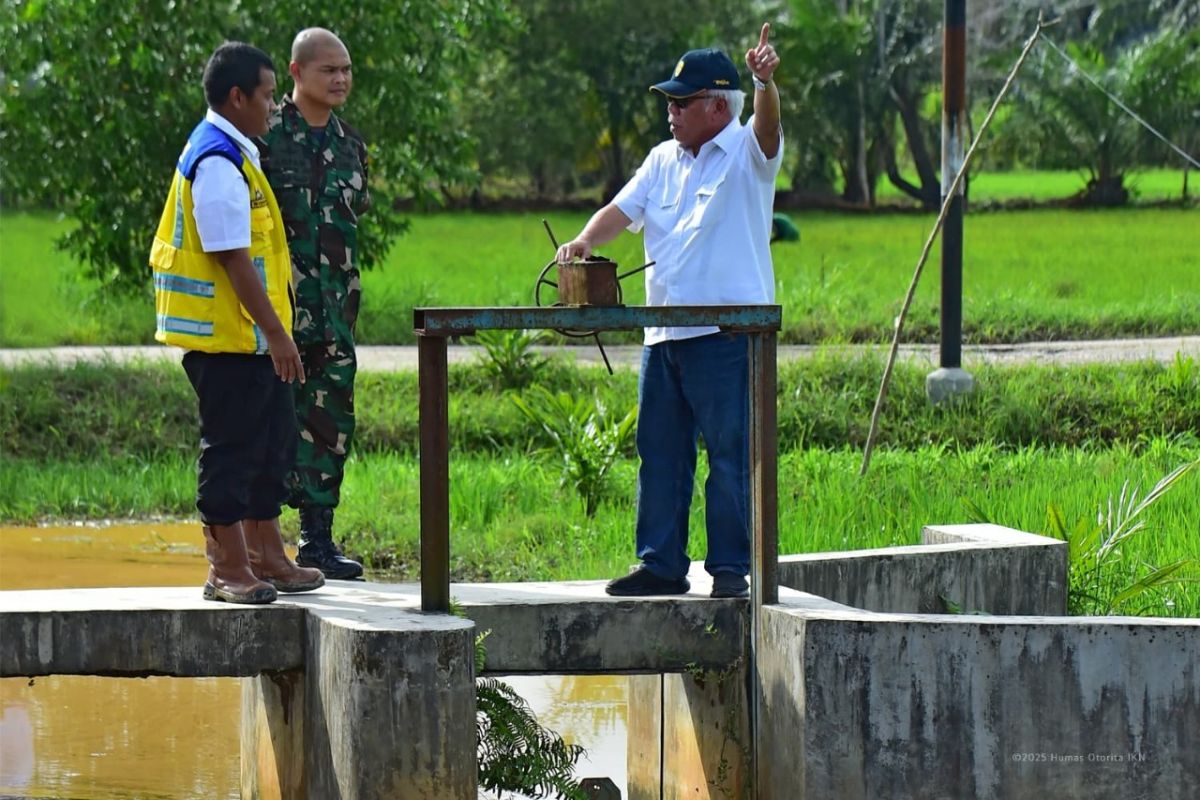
(195, 304)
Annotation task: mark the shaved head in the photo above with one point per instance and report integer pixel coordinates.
(310, 41)
(322, 73)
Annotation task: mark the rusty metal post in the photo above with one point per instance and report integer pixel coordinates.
(764, 552)
(434, 422)
(950, 380)
(764, 520)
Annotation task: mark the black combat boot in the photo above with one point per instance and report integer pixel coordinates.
(317, 548)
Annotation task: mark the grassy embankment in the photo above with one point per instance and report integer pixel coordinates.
(1029, 275)
(101, 441)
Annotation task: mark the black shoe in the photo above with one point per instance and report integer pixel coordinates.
(317, 548)
(644, 583)
(729, 584)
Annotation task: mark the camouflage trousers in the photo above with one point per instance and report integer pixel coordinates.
(325, 419)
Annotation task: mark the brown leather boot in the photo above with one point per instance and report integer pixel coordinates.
(229, 575)
(270, 561)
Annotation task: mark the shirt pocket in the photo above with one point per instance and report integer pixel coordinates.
(346, 185)
(293, 191)
(710, 203)
(261, 227)
(668, 197)
(342, 196)
(352, 193)
(661, 214)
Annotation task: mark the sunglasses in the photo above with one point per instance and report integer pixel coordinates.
(683, 102)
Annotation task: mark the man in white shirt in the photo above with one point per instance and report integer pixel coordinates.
(704, 199)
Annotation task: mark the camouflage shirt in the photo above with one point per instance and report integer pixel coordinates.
(320, 180)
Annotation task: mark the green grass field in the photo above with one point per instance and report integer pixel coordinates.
(1145, 185)
(1028, 275)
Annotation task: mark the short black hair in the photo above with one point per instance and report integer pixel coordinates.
(234, 64)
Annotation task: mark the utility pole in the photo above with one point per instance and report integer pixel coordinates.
(950, 379)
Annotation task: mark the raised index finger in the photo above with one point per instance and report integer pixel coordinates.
(762, 37)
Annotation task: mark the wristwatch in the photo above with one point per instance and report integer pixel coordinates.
(759, 83)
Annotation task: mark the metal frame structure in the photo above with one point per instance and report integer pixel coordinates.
(434, 327)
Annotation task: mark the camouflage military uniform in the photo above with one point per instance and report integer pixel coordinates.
(320, 181)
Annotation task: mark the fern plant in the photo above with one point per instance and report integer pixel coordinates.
(583, 434)
(516, 753)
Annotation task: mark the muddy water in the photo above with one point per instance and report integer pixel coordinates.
(119, 739)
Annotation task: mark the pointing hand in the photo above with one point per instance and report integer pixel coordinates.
(762, 59)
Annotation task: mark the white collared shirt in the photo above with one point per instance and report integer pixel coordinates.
(707, 221)
(220, 196)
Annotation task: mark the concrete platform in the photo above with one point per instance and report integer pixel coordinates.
(355, 673)
(547, 628)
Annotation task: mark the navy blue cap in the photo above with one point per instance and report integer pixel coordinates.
(698, 71)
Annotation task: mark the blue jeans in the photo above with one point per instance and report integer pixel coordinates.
(689, 388)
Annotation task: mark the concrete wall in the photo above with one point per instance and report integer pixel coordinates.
(577, 629)
(135, 633)
(862, 705)
(980, 567)
(385, 708)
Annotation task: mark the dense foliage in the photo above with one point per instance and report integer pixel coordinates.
(99, 96)
(546, 99)
(1066, 121)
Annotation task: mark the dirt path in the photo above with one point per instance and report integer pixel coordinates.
(391, 358)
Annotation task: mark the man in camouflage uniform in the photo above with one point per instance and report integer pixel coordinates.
(317, 166)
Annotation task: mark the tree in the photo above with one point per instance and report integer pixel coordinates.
(573, 80)
(1074, 124)
(1143, 53)
(857, 74)
(826, 108)
(1168, 87)
(99, 96)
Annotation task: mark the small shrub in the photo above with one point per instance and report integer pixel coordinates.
(1102, 577)
(584, 435)
(510, 360)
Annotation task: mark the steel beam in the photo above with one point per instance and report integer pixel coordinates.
(465, 321)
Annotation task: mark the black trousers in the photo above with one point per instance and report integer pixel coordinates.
(247, 436)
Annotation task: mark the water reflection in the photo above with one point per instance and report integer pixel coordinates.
(148, 738)
(587, 710)
(114, 738)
